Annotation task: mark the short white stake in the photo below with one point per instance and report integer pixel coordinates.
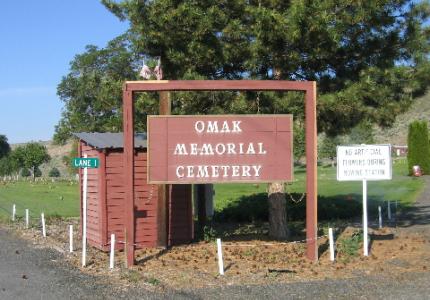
(380, 217)
(365, 240)
(71, 238)
(331, 241)
(220, 261)
(389, 210)
(13, 212)
(112, 251)
(42, 215)
(27, 219)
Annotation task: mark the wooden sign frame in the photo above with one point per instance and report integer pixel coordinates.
(308, 87)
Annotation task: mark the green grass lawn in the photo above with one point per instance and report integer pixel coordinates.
(54, 199)
(401, 188)
(61, 198)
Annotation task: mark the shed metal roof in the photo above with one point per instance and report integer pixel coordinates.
(110, 140)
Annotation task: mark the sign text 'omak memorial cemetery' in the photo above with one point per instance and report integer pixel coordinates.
(210, 149)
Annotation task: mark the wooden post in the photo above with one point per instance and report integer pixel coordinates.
(311, 173)
(128, 125)
(201, 206)
(165, 108)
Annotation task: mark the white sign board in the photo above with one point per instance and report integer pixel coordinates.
(364, 162)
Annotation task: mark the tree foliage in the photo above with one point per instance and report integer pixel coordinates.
(92, 90)
(31, 156)
(418, 146)
(369, 59)
(4, 146)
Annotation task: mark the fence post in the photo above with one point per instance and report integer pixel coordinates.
(70, 238)
(220, 261)
(112, 251)
(331, 241)
(43, 224)
(27, 219)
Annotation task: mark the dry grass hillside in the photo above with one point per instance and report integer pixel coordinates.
(398, 134)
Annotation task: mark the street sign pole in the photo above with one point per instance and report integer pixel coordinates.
(84, 217)
(365, 241)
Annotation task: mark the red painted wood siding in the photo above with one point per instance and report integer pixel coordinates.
(145, 200)
(146, 196)
(94, 234)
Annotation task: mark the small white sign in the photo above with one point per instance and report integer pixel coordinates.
(364, 162)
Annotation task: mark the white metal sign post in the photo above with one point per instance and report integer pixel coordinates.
(84, 216)
(364, 163)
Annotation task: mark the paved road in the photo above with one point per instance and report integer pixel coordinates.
(27, 272)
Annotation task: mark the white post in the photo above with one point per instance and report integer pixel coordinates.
(389, 210)
(84, 217)
(13, 212)
(380, 217)
(112, 251)
(220, 261)
(365, 241)
(27, 218)
(331, 241)
(70, 238)
(42, 216)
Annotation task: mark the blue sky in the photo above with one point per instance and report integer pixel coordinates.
(38, 41)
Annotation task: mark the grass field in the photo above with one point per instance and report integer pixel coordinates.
(54, 199)
(402, 188)
(61, 198)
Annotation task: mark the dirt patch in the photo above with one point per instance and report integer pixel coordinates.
(394, 251)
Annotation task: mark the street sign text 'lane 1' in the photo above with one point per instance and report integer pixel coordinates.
(80, 162)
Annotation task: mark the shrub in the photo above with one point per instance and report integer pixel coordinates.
(418, 146)
(54, 172)
(25, 172)
(255, 208)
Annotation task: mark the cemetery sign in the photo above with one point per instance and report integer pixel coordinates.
(364, 162)
(214, 149)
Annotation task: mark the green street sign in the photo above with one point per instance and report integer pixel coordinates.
(81, 162)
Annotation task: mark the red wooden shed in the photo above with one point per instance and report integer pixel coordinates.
(106, 197)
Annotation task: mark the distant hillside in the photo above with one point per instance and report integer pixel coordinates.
(398, 134)
(56, 152)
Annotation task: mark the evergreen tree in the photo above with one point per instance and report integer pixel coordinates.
(4, 146)
(418, 146)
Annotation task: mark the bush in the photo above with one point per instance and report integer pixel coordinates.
(54, 172)
(418, 146)
(25, 172)
(255, 208)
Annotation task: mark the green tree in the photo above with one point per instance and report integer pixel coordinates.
(327, 147)
(33, 155)
(92, 91)
(418, 146)
(4, 146)
(369, 58)
(5, 166)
